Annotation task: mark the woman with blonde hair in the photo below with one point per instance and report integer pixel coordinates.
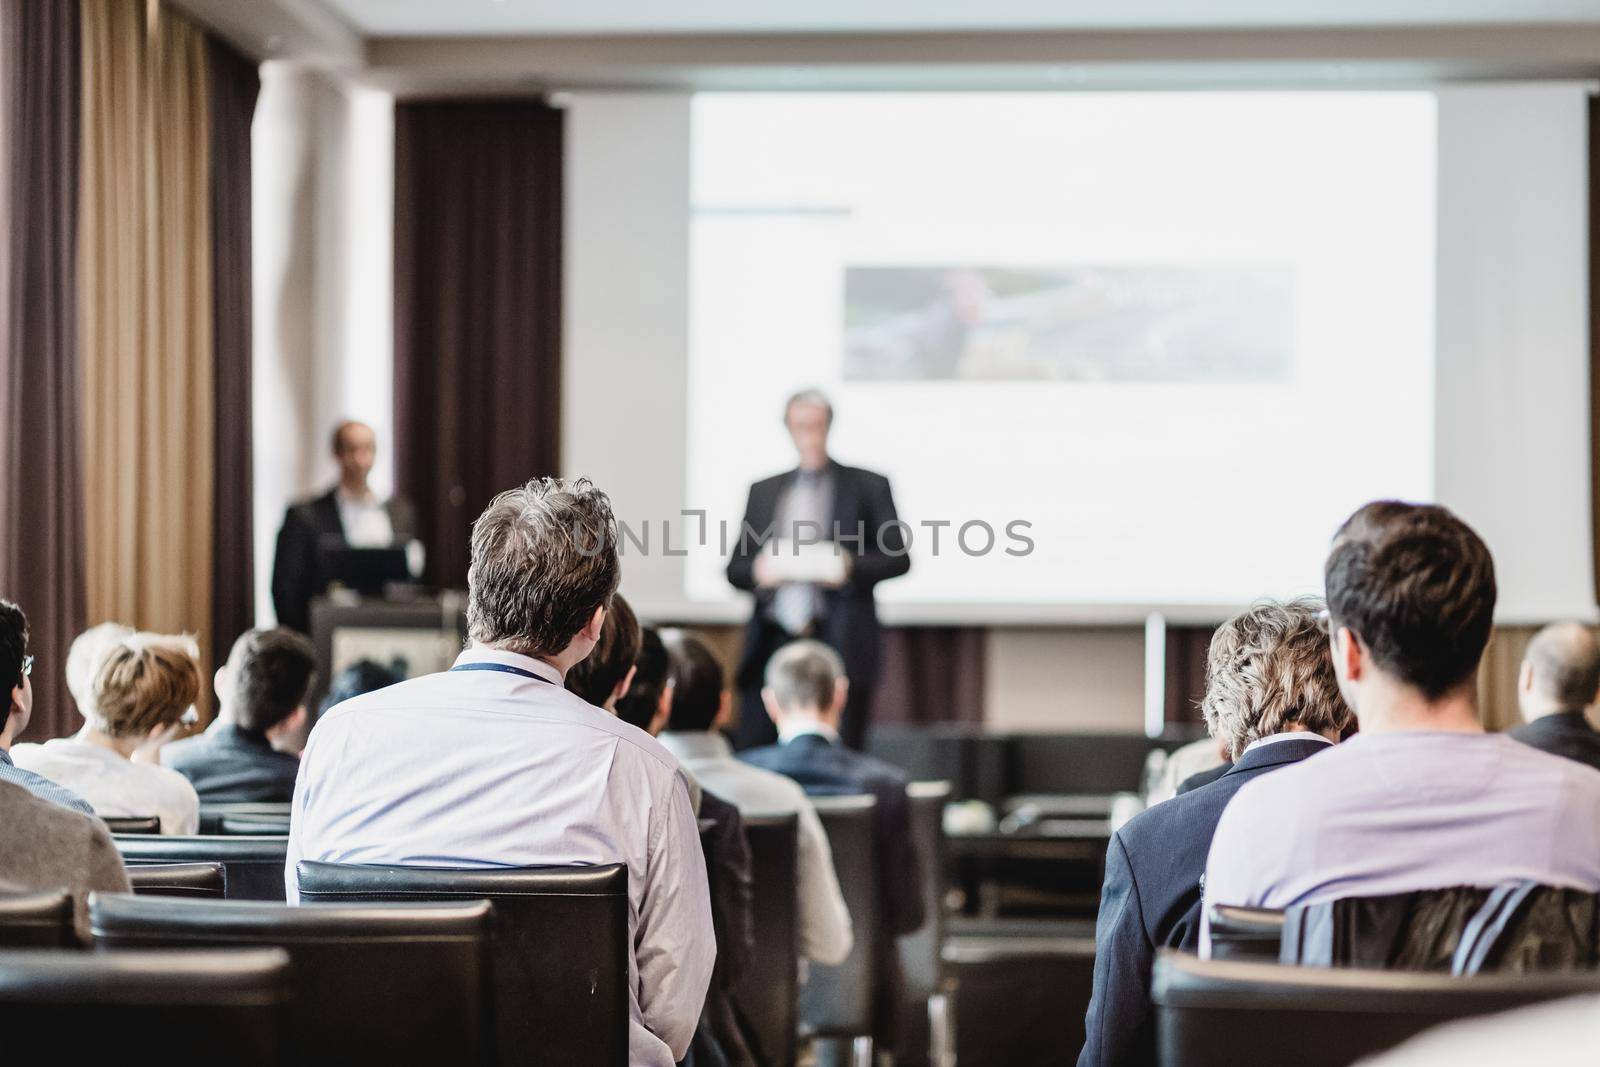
(144, 690)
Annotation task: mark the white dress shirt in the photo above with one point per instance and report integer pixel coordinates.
(365, 521)
(483, 768)
(824, 919)
(114, 785)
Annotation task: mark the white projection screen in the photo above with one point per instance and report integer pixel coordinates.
(1180, 335)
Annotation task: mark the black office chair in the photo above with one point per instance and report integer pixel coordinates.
(193, 880)
(928, 1038)
(841, 1002)
(1245, 933)
(373, 983)
(766, 999)
(1222, 1013)
(252, 866)
(213, 812)
(561, 948)
(196, 1007)
(37, 920)
(260, 824)
(132, 824)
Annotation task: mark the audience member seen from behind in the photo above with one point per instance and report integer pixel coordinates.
(1271, 701)
(250, 753)
(1422, 797)
(602, 678)
(84, 658)
(144, 691)
(16, 667)
(698, 706)
(805, 695)
(1559, 680)
(361, 677)
(494, 763)
(646, 704)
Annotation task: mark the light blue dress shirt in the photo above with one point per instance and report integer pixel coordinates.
(483, 768)
(1397, 812)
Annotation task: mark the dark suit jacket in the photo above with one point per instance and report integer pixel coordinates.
(308, 526)
(825, 769)
(1565, 733)
(1151, 900)
(720, 1038)
(225, 764)
(864, 517)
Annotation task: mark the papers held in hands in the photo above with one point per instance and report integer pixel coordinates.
(815, 563)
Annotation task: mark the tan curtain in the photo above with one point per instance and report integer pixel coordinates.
(145, 291)
(1497, 678)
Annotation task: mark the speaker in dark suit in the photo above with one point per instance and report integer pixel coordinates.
(1151, 900)
(823, 501)
(312, 527)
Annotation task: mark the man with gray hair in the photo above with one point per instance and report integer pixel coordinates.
(494, 763)
(1560, 679)
(1271, 700)
(805, 693)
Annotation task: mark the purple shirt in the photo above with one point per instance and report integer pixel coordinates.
(1397, 812)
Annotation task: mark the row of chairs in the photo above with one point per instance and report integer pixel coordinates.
(552, 946)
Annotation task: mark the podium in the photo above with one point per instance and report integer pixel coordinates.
(412, 636)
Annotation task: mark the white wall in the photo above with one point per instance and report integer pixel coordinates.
(323, 173)
(1512, 378)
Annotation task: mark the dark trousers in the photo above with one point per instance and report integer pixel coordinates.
(755, 725)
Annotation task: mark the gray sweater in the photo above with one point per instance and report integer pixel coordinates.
(45, 846)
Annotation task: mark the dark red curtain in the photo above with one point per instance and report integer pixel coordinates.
(235, 83)
(1187, 649)
(41, 487)
(477, 310)
(931, 674)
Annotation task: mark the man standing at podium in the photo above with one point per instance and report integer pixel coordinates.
(814, 543)
(349, 515)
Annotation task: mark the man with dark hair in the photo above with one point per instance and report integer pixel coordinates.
(648, 699)
(249, 752)
(15, 668)
(361, 677)
(603, 677)
(1422, 797)
(698, 705)
(493, 763)
(806, 694)
(350, 515)
(1559, 680)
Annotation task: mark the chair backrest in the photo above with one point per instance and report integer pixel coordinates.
(840, 1001)
(213, 812)
(919, 951)
(1459, 929)
(766, 998)
(252, 866)
(132, 824)
(1244, 933)
(260, 824)
(202, 880)
(71, 1006)
(561, 947)
(1221, 1013)
(373, 983)
(37, 920)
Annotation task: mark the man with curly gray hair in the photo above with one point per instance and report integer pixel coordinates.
(494, 763)
(1271, 700)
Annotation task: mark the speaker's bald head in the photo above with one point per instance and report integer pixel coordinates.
(1565, 662)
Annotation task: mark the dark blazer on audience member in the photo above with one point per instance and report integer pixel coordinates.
(308, 526)
(1151, 900)
(225, 764)
(1566, 733)
(1206, 777)
(826, 769)
(720, 1038)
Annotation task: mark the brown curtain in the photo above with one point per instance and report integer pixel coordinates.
(41, 519)
(235, 84)
(1187, 649)
(477, 310)
(144, 313)
(931, 674)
